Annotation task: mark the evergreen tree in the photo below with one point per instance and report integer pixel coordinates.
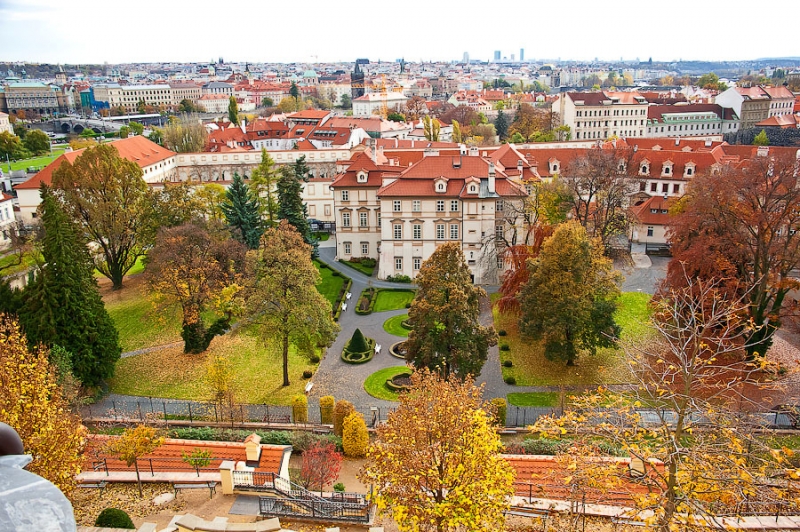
(262, 184)
(501, 125)
(241, 212)
(294, 92)
(63, 306)
(290, 203)
(233, 111)
(761, 139)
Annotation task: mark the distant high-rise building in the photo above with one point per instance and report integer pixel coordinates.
(513, 57)
(521, 55)
(497, 55)
(466, 58)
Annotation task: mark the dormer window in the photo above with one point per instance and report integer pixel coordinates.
(644, 169)
(440, 185)
(666, 169)
(689, 170)
(361, 177)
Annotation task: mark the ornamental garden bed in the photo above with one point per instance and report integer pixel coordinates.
(359, 349)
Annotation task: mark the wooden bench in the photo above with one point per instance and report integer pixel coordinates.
(276, 418)
(212, 487)
(94, 485)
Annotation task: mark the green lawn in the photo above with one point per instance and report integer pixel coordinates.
(393, 299)
(543, 399)
(138, 323)
(9, 266)
(330, 285)
(322, 237)
(366, 270)
(138, 267)
(394, 325)
(39, 162)
(171, 373)
(531, 367)
(375, 385)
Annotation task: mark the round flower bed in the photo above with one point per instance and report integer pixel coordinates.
(398, 350)
(400, 382)
(359, 349)
(406, 324)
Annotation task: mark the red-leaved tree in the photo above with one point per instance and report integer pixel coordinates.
(321, 466)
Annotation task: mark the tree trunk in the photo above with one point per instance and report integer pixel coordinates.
(286, 359)
(138, 479)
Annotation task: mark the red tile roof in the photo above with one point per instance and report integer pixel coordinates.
(5, 197)
(138, 149)
(782, 121)
(167, 457)
(644, 211)
(656, 112)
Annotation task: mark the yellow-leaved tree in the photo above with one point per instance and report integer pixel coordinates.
(696, 454)
(33, 404)
(436, 462)
(133, 444)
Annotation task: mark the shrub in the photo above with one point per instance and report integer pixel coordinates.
(276, 437)
(500, 410)
(359, 349)
(510, 380)
(307, 374)
(114, 518)
(544, 446)
(507, 363)
(314, 359)
(408, 305)
(504, 347)
(335, 273)
(355, 438)
(338, 487)
(326, 404)
(398, 279)
(501, 332)
(300, 409)
(357, 343)
(340, 411)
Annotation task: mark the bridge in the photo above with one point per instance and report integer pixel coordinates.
(77, 125)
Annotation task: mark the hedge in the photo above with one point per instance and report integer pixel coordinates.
(326, 405)
(360, 355)
(300, 409)
(340, 411)
(394, 387)
(370, 294)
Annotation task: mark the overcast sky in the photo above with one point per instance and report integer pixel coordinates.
(117, 31)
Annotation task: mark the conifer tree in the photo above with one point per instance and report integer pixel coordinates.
(63, 306)
(233, 111)
(241, 212)
(262, 184)
(501, 125)
(290, 203)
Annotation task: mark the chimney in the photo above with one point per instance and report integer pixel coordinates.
(678, 141)
(244, 126)
(492, 175)
(519, 167)
(473, 151)
(462, 149)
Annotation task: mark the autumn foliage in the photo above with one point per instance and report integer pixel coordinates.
(342, 409)
(355, 438)
(33, 404)
(436, 462)
(321, 466)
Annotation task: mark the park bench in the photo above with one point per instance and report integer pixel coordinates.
(212, 487)
(276, 418)
(94, 485)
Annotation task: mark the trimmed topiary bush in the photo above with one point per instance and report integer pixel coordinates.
(114, 518)
(507, 363)
(359, 349)
(307, 374)
(504, 347)
(500, 410)
(326, 404)
(355, 438)
(300, 409)
(314, 359)
(510, 380)
(340, 411)
(501, 332)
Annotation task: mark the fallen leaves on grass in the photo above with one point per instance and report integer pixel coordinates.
(88, 503)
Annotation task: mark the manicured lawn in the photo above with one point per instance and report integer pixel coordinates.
(171, 373)
(138, 267)
(394, 325)
(137, 321)
(543, 399)
(330, 285)
(393, 299)
(41, 161)
(375, 385)
(322, 237)
(531, 367)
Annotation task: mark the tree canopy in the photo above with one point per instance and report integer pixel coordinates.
(284, 301)
(233, 111)
(241, 213)
(263, 184)
(570, 297)
(37, 142)
(738, 226)
(106, 195)
(62, 305)
(185, 135)
(190, 265)
(436, 462)
(290, 201)
(34, 405)
(447, 336)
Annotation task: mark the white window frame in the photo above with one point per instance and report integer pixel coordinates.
(363, 219)
(397, 231)
(345, 219)
(454, 232)
(440, 205)
(440, 231)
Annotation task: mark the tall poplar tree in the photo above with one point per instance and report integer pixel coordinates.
(263, 184)
(241, 213)
(233, 111)
(290, 202)
(63, 306)
(447, 336)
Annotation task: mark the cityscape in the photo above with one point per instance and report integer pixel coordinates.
(254, 279)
